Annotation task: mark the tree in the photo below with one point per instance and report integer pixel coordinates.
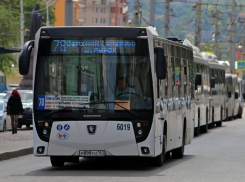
(10, 26)
(9, 37)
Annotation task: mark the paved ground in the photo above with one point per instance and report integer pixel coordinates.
(211, 157)
(13, 145)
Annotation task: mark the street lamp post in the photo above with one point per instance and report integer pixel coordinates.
(47, 21)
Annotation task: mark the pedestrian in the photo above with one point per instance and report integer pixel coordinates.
(14, 109)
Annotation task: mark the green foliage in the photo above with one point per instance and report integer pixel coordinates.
(10, 26)
(9, 37)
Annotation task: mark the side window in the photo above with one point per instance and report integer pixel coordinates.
(172, 77)
(178, 53)
(177, 77)
(183, 53)
(184, 80)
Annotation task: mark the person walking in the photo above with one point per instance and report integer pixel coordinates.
(14, 109)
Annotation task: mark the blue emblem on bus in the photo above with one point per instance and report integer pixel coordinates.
(59, 127)
(66, 127)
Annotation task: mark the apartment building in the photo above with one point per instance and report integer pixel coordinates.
(93, 12)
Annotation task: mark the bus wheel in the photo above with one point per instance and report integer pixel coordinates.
(179, 152)
(197, 129)
(57, 161)
(158, 160)
(211, 125)
(4, 126)
(219, 123)
(205, 127)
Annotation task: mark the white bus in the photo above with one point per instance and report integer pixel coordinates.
(230, 99)
(241, 96)
(109, 91)
(202, 92)
(236, 95)
(217, 91)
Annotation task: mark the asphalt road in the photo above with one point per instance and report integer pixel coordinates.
(218, 155)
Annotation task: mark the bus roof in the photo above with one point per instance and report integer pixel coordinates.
(92, 31)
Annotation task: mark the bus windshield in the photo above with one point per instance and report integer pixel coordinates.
(93, 74)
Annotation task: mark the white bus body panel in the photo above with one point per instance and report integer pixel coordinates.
(190, 123)
(107, 137)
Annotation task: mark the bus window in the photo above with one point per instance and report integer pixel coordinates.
(178, 53)
(177, 77)
(183, 53)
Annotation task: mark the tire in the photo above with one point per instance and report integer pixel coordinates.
(227, 118)
(239, 115)
(197, 130)
(158, 160)
(211, 125)
(219, 123)
(27, 125)
(178, 153)
(205, 127)
(4, 126)
(57, 161)
(19, 126)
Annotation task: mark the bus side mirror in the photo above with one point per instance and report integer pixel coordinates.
(212, 82)
(24, 57)
(236, 95)
(243, 95)
(198, 80)
(229, 94)
(161, 65)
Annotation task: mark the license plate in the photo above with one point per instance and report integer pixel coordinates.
(98, 153)
(20, 116)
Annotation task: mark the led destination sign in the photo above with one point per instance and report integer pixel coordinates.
(93, 46)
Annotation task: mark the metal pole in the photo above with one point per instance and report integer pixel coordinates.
(216, 30)
(152, 12)
(21, 25)
(232, 42)
(68, 13)
(198, 28)
(166, 18)
(47, 21)
(136, 13)
(243, 47)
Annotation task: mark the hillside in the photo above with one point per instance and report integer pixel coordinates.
(183, 18)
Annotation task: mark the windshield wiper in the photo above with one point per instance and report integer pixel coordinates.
(54, 112)
(131, 112)
(60, 110)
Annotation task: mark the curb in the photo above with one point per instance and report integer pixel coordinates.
(16, 153)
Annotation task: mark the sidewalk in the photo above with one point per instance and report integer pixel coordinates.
(15, 145)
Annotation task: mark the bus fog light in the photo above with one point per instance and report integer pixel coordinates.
(46, 124)
(145, 150)
(45, 132)
(40, 150)
(140, 132)
(138, 125)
